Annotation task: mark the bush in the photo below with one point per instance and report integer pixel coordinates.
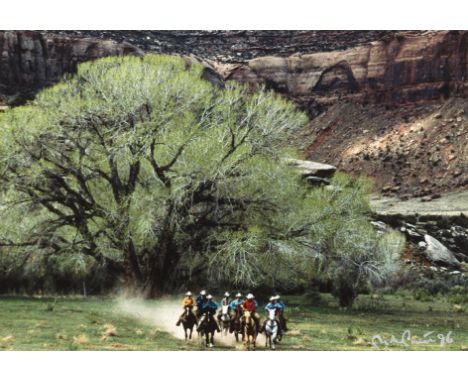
(458, 295)
(422, 295)
(373, 303)
(313, 297)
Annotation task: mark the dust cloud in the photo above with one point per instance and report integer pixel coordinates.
(163, 314)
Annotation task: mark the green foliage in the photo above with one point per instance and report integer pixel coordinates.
(138, 168)
(422, 295)
(458, 295)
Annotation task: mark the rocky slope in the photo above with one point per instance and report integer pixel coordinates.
(412, 150)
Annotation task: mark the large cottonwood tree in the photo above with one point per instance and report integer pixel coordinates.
(143, 167)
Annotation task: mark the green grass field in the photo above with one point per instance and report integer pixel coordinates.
(100, 324)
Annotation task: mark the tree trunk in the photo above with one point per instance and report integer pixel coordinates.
(164, 261)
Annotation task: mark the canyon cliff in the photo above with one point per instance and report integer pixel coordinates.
(400, 68)
(31, 60)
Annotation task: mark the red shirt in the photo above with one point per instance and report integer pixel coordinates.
(249, 305)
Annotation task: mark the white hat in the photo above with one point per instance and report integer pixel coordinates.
(277, 297)
(209, 297)
(238, 294)
(188, 293)
(250, 295)
(272, 298)
(203, 292)
(226, 294)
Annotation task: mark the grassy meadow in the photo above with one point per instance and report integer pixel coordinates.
(28, 323)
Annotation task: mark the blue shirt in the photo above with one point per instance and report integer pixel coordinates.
(236, 303)
(209, 306)
(272, 305)
(200, 300)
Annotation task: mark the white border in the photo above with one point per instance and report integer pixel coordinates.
(232, 366)
(236, 14)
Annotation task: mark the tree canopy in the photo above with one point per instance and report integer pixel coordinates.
(144, 169)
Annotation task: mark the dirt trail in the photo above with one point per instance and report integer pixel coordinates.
(163, 314)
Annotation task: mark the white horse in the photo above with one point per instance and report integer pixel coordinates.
(271, 329)
(225, 320)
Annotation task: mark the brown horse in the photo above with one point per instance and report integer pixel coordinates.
(188, 322)
(250, 330)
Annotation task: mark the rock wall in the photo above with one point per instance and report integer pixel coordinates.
(367, 66)
(31, 60)
(400, 68)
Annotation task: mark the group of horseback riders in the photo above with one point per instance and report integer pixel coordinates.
(234, 307)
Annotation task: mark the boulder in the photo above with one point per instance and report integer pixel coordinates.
(313, 169)
(379, 226)
(436, 252)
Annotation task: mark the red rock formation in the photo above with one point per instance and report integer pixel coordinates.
(30, 60)
(403, 68)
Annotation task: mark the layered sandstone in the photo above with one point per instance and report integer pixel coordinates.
(31, 60)
(399, 69)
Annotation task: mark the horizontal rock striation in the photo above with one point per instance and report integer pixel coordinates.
(400, 68)
(32, 60)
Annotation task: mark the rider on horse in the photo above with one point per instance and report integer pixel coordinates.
(201, 299)
(208, 307)
(226, 301)
(236, 304)
(188, 302)
(250, 305)
(281, 307)
(273, 304)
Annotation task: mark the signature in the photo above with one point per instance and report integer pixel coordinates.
(407, 339)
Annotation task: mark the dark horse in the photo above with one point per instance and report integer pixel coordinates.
(207, 328)
(236, 325)
(282, 325)
(188, 322)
